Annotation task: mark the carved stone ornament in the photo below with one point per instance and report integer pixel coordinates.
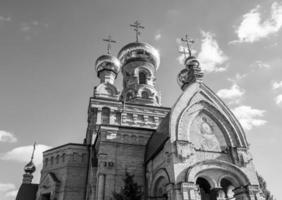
(244, 157)
(184, 149)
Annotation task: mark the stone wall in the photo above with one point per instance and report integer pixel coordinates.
(64, 172)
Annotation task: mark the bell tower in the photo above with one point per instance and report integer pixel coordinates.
(139, 62)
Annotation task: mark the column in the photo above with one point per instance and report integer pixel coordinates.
(189, 191)
(218, 194)
(101, 187)
(170, 191)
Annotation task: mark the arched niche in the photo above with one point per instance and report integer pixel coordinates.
(201, 123)
(159, 182)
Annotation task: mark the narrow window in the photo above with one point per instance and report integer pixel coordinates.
(129, 96)
(105, 115)
(142, 78)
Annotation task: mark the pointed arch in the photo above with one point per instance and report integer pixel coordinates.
(199, 97)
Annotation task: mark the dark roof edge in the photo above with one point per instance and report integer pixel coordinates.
(76, 144)
(156, 152)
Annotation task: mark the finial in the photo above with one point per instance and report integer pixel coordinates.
(29, 168)
(137, 26)
(109, 41)
(188, 42)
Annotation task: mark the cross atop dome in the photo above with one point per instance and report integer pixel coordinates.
(188, 42)
(137, 26)
(109, 43)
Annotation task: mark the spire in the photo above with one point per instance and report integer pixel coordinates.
(29, 168)
(192, 71)
(137, 26)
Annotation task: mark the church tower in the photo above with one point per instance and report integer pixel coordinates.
(195, 150)
(140, 62)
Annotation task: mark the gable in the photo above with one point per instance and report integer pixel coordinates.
(197, 104)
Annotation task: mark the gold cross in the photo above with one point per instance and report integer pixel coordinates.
(188, 43)
(32, 155)
(109, 41)
(137, 26)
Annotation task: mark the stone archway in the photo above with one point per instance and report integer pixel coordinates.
(206, 167)
(216, 179)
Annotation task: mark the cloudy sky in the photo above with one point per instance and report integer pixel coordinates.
(47, 51)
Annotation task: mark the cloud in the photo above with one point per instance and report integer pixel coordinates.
(32, 28)
(278, 99)
(5, 19)
(23, 154)
(234, 93)
(158, 36)
(11, 194)
(276, 85)
(4, 187)
(261, 65)
(249, 117)
(8, 191)
(7, 137)
(252, 28)
(211, 56)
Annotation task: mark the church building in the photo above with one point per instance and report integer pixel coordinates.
(195, 150)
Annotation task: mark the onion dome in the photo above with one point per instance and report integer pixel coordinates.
(107, 62)
(29, 168)
(191, 73)
(138, 50)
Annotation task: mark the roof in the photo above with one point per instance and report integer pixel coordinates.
(158, 139)
(27, 192)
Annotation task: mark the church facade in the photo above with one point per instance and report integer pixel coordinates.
(195, 150)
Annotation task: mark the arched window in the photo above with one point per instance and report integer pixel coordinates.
(142, 78)
(129, 96)
(105, 115)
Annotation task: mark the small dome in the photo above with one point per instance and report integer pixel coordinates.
(29, 168)
(107, 62)
(139, 50)
(191, 61)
